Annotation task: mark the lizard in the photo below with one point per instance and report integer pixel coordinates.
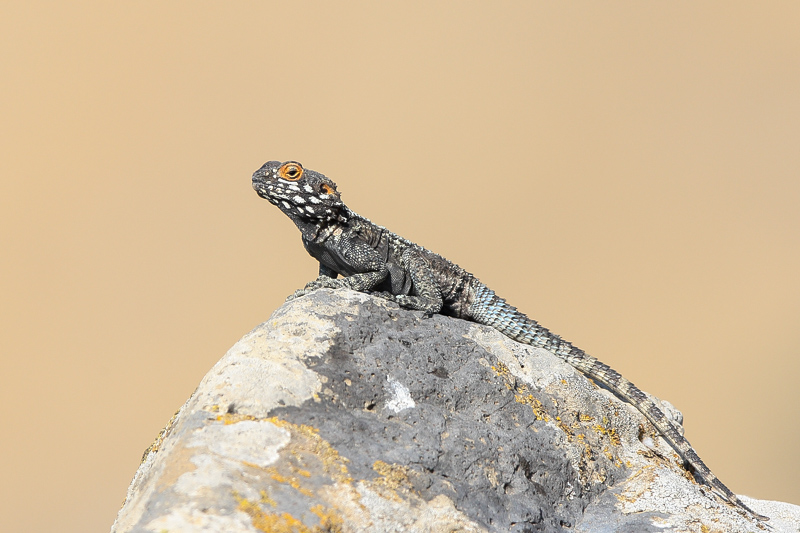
(374, 260)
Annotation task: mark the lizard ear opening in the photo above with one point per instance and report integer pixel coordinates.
(291, 171)
(326, 189)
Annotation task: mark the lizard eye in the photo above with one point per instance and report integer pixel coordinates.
(325, 189)
(291, 171)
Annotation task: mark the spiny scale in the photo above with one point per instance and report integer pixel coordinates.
(373, 259)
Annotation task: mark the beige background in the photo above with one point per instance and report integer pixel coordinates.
(626, 173)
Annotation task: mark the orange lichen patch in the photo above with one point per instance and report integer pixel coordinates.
(306, 439)
(612, 434)
(613, 458)
(566, 429)
(329, 521)
(585, 418)
(569, 427)
(527, 399)
(501, 369)
(268, 522)
(613, 437)
(391, 475)
(292, 481)
(271, 522)
(521, 394)
(233, 418)
(266, 499)
(305, 444)
(391, 478)
(608, 454)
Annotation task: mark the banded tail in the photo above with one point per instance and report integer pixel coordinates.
(491, 310)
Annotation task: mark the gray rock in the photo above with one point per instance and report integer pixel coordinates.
(344, 413)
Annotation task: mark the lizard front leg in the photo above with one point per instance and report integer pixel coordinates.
(427, 295)
(370, 269)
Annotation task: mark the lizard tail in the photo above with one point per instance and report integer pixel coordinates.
(491, 310)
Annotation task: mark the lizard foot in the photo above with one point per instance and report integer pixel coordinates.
(418, 304)
(296, 294)
(324, 282)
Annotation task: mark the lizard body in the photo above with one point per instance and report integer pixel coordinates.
(373, 259)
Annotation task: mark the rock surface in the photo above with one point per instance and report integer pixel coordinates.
(344, 413)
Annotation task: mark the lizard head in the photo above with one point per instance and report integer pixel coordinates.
(298, 192)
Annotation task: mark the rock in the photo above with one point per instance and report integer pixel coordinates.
(344, 413)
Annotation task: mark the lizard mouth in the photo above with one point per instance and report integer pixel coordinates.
(262, 188)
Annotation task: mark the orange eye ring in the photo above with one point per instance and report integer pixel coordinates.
(291, 171)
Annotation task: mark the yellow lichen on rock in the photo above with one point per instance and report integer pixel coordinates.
(391, 476)
(233, 418)
(306, 438)
(286, 523)
(521, 393)
(292, 481)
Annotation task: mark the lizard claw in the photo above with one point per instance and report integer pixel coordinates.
(323, 283)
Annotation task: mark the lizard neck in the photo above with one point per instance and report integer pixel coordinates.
(316, 230)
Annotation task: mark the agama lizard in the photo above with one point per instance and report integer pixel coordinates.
(373, 259)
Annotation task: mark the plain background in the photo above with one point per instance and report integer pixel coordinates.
(627, 173)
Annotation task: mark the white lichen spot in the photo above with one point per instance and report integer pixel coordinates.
(649, 443)
(661, 523)
(569, 491)
(400, 396)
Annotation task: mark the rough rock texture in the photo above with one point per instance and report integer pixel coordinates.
(344, 413)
